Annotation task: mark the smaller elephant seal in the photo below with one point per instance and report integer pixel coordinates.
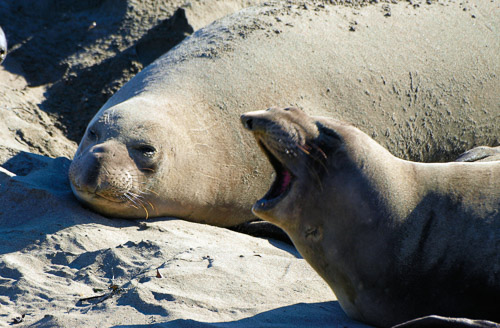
(3, 46)
(395, 240)
(480, 154)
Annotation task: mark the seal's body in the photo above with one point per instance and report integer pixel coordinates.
(169, 142)
(395, 240)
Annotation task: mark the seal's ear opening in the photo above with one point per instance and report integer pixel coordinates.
(328, 140)
(328, 132)
(330, 143)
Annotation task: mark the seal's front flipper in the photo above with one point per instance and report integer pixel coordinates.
(480, 154)
(434, 321)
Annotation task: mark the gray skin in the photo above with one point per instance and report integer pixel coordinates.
(169, 142)
(394, 239)
(3, 46)
(480, 154)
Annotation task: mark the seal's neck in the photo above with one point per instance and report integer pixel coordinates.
(380, 175)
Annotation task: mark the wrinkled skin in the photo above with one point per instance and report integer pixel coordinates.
(394, 239)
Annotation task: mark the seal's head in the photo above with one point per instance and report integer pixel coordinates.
(319, 193)
(145, 157)
(3, 46)
(296, 147)
(114, 172)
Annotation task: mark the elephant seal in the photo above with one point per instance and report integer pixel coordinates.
(480, 154)
(169, 142)
(3, 46)
(394, 239)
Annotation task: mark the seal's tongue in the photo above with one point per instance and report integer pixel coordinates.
(285, 181)
(280, 185)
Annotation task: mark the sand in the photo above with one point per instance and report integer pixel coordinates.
(61, 265)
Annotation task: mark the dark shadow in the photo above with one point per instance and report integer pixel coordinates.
(23, 163)
(43, 36)
(275, 235)
(163, 37)
(41, 186)
(311, 315)
(39, 202)
(43, 33)
(262, 229)
(456, 271)
(285, 247)
(76, 98)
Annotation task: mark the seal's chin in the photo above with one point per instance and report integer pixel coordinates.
(281, 185)
(109, 198)
(94, 197)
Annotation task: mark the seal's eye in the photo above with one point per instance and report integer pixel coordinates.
(147, 150)
(92, 134)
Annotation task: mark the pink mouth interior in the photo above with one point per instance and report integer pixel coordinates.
(282, 182)
(285, 181)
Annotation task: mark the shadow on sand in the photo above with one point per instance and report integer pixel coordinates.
(311, 315)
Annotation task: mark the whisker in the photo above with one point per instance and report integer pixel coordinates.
(141, 192)
(147, 190)
(303, 149)
(152, 207)
(138, 200)
(131, 201)
(136, 196)
(151, 191)
(318, 159)
(145, 210)
(316, 147)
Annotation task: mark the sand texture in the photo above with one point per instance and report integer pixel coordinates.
(63, 266)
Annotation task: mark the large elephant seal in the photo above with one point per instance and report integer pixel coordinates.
(169, 142)
(3, 46)
(394, 239)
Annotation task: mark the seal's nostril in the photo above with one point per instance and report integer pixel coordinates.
(247, 122)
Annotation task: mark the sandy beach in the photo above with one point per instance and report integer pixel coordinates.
(62, 265)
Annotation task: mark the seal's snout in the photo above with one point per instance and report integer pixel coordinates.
(247, 122)
(255, 121)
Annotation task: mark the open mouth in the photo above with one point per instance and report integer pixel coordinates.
(281, 185)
